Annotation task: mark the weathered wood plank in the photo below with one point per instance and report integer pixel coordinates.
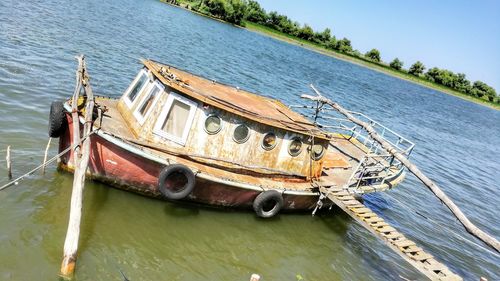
(404, 243)
(421, 256)
(376, 219)
(361, 210)
(407, 249)
(411, 249)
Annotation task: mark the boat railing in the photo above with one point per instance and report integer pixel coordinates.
(376, 166)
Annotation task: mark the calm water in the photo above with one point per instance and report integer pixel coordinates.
(457, 145)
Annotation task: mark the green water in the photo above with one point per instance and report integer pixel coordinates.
(153, 240)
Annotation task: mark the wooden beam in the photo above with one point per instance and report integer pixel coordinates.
(81, 157)
(45, 155)
(9, 163)
(469, 226)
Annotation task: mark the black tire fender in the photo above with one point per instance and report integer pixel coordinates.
(57, 119)
(176, 174)
(268, 203)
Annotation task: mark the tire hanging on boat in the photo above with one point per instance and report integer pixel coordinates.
(57, 118)
(268, 203)
(176, 181)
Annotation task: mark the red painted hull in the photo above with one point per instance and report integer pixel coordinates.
(123, 169)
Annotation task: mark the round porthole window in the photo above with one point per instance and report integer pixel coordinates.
(213, 124)
(295, 146)
(269, 141)
(317, 152)
(241, 133)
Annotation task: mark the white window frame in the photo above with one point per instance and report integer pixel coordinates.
(164, 113)
(126, 97)
(141, 119)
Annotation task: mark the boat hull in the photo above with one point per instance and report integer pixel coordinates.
(121, 168)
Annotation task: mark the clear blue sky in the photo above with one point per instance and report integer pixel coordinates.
(462, 36)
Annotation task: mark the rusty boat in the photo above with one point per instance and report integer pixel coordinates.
(178, 136)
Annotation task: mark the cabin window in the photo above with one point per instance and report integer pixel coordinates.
(269, 141)
(148, 102)
(176, 119)
(317, 151)
(241, 133)
(295, 146)
(135, 88)
(213, 124)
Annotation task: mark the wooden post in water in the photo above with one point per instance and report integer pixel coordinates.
(45, 155)
(9, 164)
(469, 226)
(81, 157)
(255, 277)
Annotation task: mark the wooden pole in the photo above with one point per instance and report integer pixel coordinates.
(469, 226)
(9, 164)
(45, 155)
(81, 157)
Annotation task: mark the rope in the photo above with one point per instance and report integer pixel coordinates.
(15, 181)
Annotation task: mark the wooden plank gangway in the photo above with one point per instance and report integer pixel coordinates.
(407, 249)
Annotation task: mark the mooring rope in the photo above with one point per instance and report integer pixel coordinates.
(16, 180)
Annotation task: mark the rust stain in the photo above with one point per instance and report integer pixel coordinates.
(242, 103)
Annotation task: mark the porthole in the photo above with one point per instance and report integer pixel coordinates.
(241, 133)
(269, 141)
(213, 124)
(317, 151)
(295, 146)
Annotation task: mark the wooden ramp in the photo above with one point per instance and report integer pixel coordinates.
(406, 248)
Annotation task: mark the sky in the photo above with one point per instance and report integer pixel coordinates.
(462, 36)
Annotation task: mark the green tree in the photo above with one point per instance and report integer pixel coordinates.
(462, 84)
(285, 24)
(322, 37)
(215, 7)
(344, 45)
(480, 89)
(306, 32)
(332, 43)
(326, 35)
(295, 29)
(255, 13)
(235, 11)
(416, 68)
(432, 74)
(373, 55)
(396, 64)
(273, 20)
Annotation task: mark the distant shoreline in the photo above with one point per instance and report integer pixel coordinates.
(263, 30)
(407, 77)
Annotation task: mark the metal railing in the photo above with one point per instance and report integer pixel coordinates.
(377, 165)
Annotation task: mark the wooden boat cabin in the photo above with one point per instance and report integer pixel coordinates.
(178, 136)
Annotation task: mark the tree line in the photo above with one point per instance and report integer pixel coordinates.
(239, 11)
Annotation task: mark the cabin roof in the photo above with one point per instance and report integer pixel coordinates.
(243, 103)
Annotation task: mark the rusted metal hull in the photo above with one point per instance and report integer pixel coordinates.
(126, 170)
